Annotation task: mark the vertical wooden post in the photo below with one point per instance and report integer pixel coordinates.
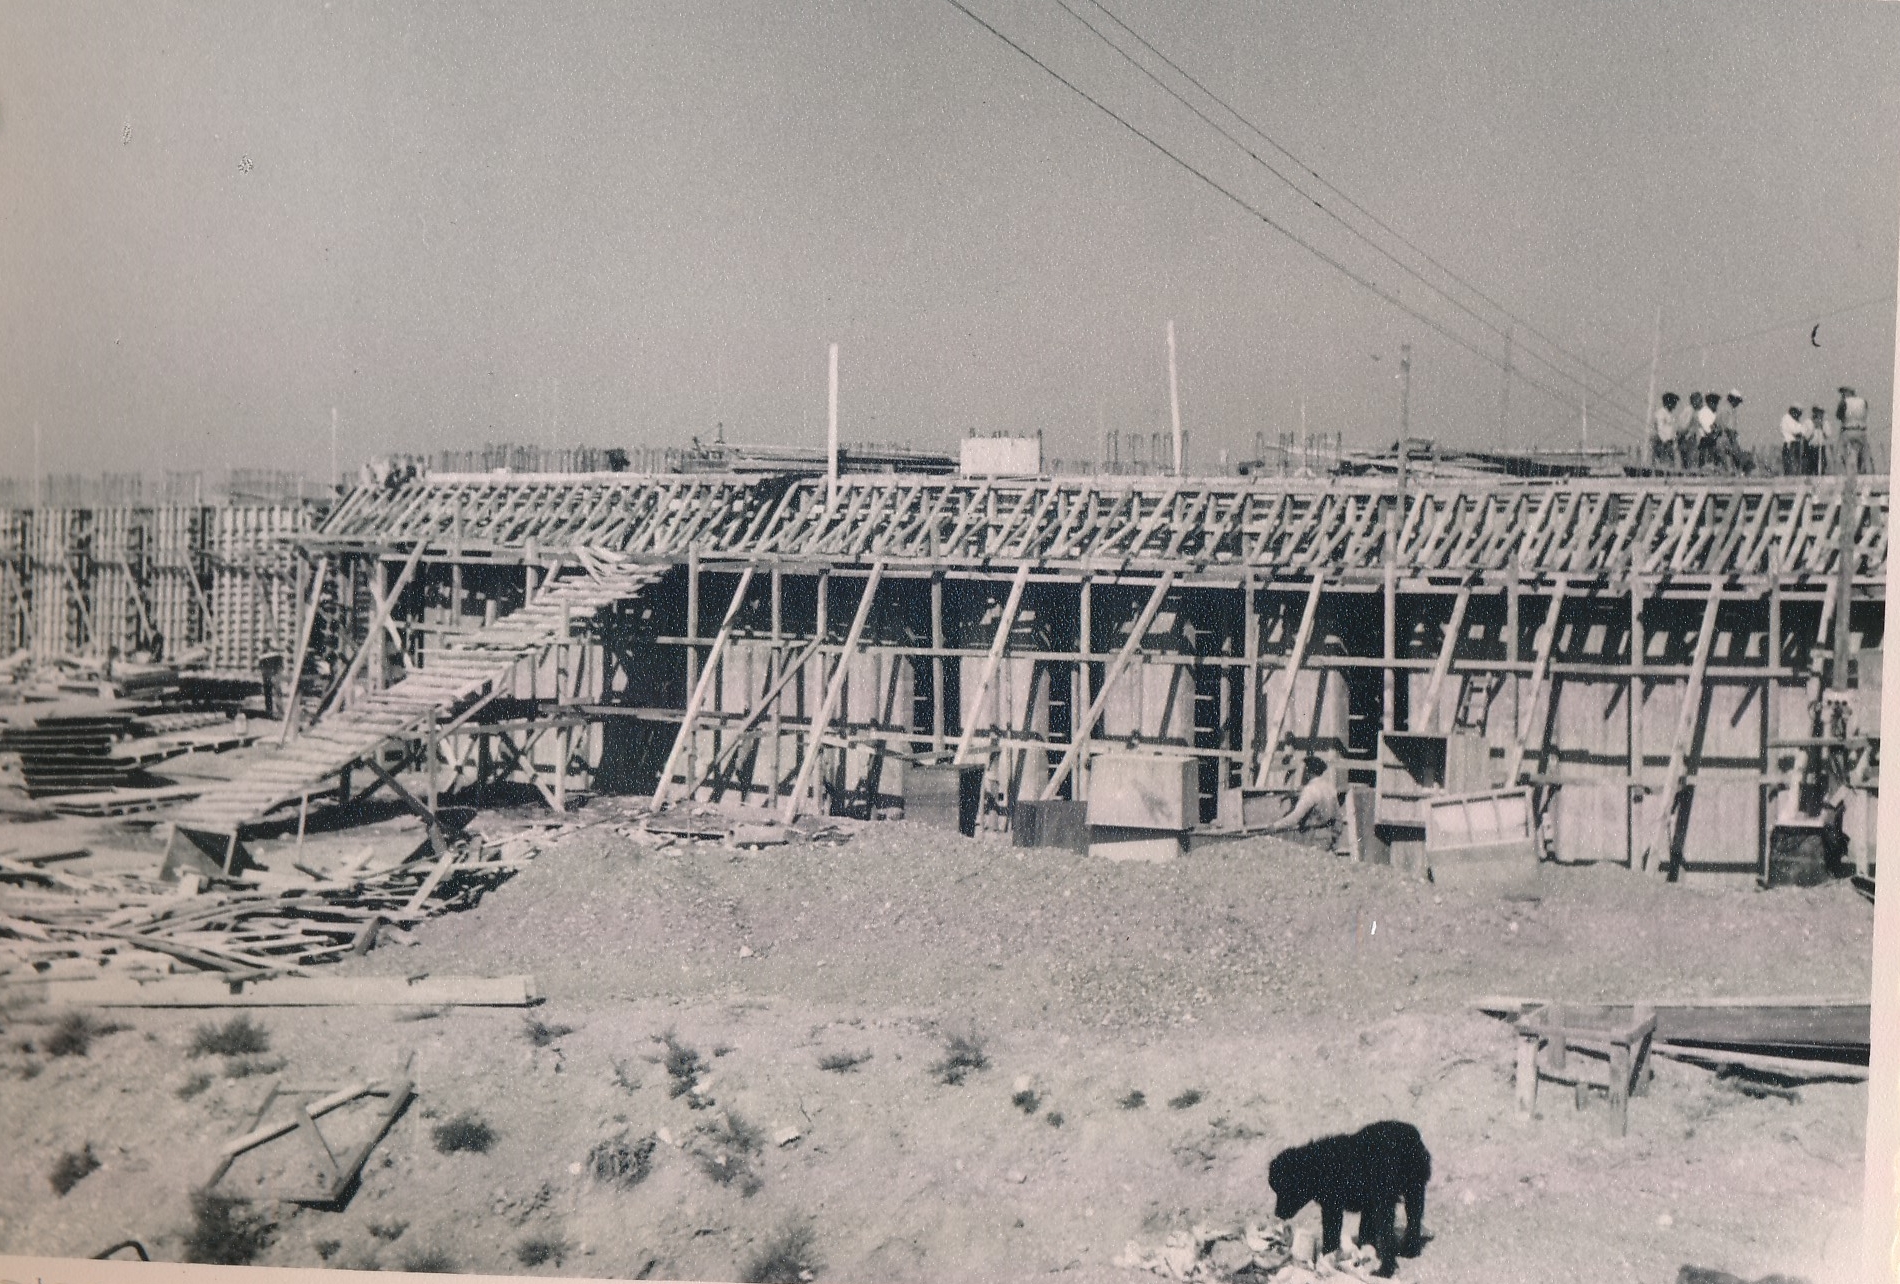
(831, 437)
(1394, 516)
(1083, 696)
(433, 750)
(1174, 406)
(1844, 574)
(457, 598)
(1250, 694)
(1639, 660)
(778, 666)
(936, 662)
(692, 657)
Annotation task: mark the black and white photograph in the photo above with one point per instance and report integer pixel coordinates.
(947, 640)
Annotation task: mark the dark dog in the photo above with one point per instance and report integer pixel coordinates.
(1368, 1173)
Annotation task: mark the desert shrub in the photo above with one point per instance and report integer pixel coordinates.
(538, 1250)
(430, 1261)
(1055, 1118)
(327, 1248)
(466, 1132)
(840, 1062)
(541, 1034)
(72, 1168)
(683, 1066)
(727, 1146)
(73, 1034)
(225, 1230)
(619, 1162)
(789, 1257)
(194, 1085)
(1026, 1101)
(388, 1232)
(625, 1077)
(1192, 1097)
(238, 1037)
(1134, 1100)
(963, 1056)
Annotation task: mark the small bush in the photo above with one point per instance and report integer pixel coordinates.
(388, 1232)
(619, 1162)
(789, 1257)
(72, 1168)
(1192, 1097)
(840, 1062)
(194, 1085)
(963, 1056)
(1026, 1101)
(729, 1144)
(327, 1248)
(72, 1036)
(683, 1066)
(466, 1132)
(246, 1067)
(225, 1231)
(238, 1037)
(540, 1250)
(1134, 1100)
(541, 1034)
(431, 1261)
(1055, 1118)
(625, 1077)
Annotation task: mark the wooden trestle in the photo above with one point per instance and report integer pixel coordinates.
(1626, 646)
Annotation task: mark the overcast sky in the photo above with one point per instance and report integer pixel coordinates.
(622, 224)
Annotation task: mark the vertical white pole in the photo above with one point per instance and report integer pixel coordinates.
(1655, 358)
(36, 467)
(1174, 402)
(335, 478)
(831, 437)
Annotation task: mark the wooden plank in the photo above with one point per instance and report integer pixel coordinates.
(1295, 659)
(1135, 636)
(1679, 744)
(688, 723)
(832, 691)
(992, 660)
(297, 992)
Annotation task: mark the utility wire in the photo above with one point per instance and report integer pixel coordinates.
(1597, 391)
(1756, 334)
(1560, 398)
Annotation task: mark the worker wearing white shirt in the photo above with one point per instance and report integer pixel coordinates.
(1794, 436)
(1705, 431)
(1853, 416)
(1662, 438)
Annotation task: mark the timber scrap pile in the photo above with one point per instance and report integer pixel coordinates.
(1232, 1255)
(60, 926)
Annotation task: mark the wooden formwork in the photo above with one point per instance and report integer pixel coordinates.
(88, 581)
(1628, 649)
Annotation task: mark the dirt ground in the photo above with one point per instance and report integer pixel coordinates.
(1255, 994)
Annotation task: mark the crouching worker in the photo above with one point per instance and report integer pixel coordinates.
(1316, 810)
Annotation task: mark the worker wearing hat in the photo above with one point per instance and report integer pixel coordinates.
(1728, 444)
(1705, 434)
(1824, 432)
(1662, 433)
(1794, 441)
(1852, 412)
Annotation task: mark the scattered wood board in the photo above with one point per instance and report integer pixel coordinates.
(298, 992)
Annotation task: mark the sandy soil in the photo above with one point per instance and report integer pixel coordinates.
(1295, 993)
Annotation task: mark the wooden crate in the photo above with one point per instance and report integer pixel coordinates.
(1145, 791)
(1484, 840)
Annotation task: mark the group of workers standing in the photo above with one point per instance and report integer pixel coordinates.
(1699, 435)
(1822, 443)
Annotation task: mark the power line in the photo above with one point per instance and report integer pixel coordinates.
(1560, 398)
(1768, 329)
(1236, 114)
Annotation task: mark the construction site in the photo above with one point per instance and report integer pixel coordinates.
(690, 782)
(1084, 640)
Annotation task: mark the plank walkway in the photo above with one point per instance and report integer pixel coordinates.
(463, 671)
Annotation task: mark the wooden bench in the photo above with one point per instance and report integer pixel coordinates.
(1625, 1044)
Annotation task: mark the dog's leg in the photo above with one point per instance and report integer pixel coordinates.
(1414, 1221)
(1332, 1217)
(1376, 1228)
